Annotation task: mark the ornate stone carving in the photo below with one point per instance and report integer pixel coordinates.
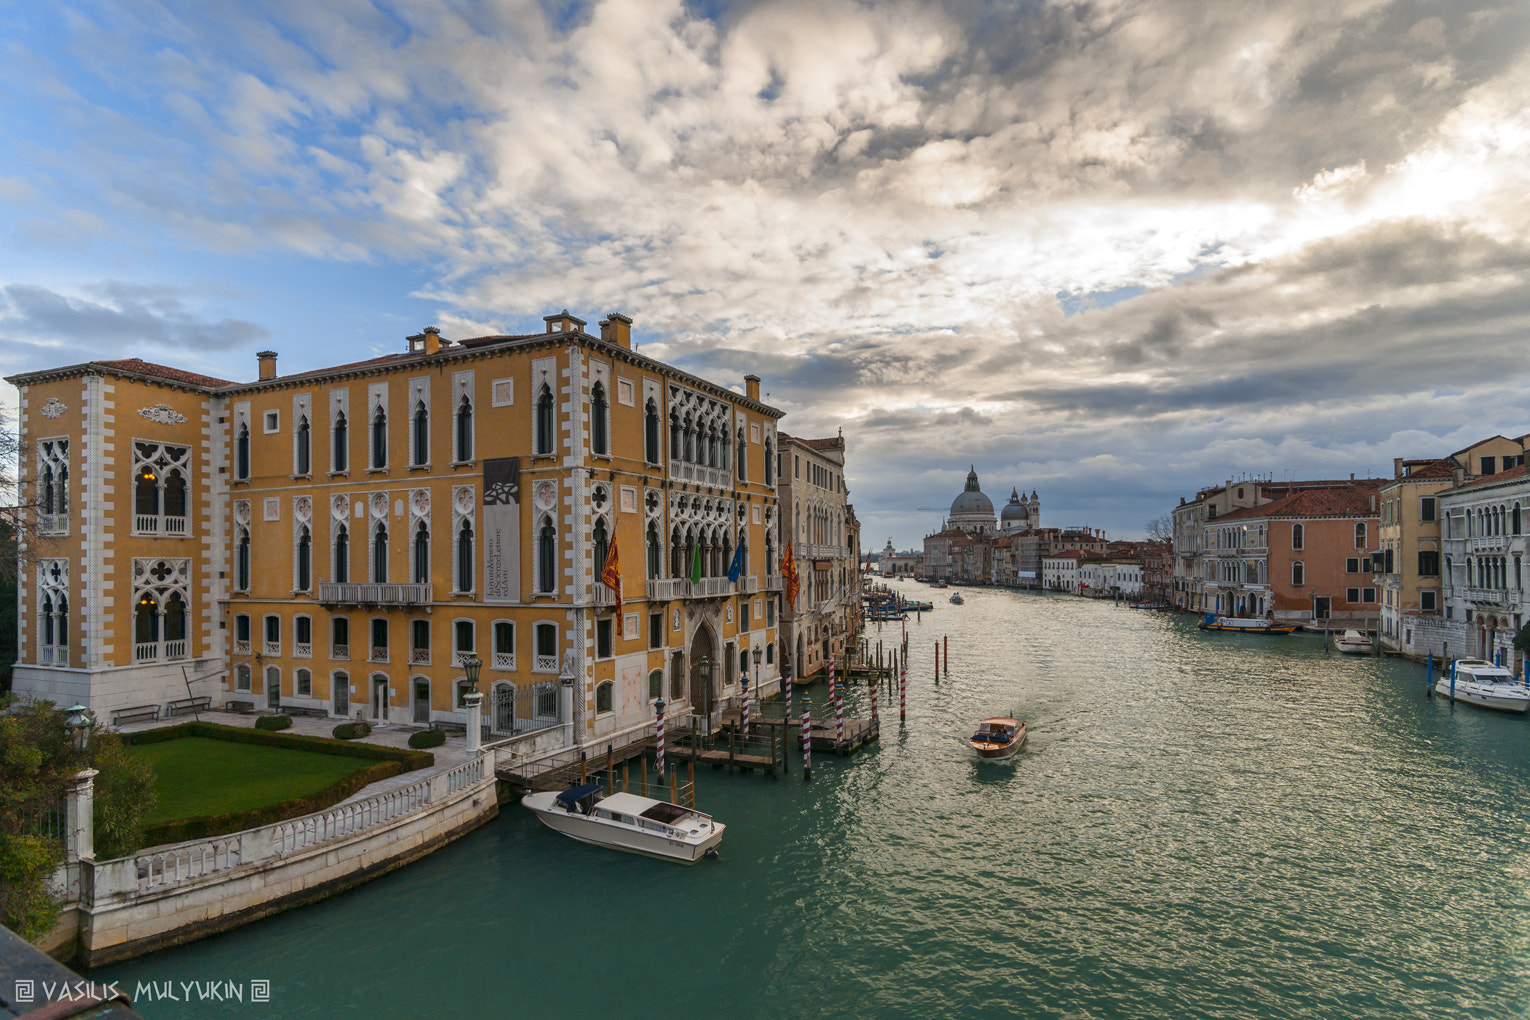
(339, 507)
(53, 408)
(162, 413)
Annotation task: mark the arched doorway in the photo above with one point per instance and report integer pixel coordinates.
(704, 670)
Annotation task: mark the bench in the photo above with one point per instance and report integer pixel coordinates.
(303, 710)
(448, 726)
(241, 707)
(198, 704)
(138, 713)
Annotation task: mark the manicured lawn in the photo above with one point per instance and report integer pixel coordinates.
(200, 776)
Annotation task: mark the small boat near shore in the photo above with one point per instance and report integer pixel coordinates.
(625, 821)
(1352, 642)
(1243, 625)
(998, 736)
(1479, 682)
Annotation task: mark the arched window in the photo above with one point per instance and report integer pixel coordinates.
(544, 430)
(1298, 538)
(465, 429)
(304, 560)
(465, 557)
(175, 495)
(242, 453)
(380, 555)
(146, 494)
(146, 621)
(655, 685)
(547, 553)
(340, 637)
(743, 458)
(340, 456)
(688, 436)
(504, 644)
(599, 440)
(421, 554)
(301, 438)
(712, 446)
(1298, 574)
(655, 551)
(651, 432)
(380, 439)
(342, 555)
(674, 436)
(242, 562)
(677, 564)
(603, 696)
(175, 623)
(602, 545)
(770, 464)
(1360, 536)
(421, 434)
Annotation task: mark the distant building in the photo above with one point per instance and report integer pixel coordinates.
(974, 545)
(821, 525)
(899, 564)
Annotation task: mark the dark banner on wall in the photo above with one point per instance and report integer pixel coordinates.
(502, 530)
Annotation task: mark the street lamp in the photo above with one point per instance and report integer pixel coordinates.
(759, 653)
(471, 666)
(77, 727)
(472, 700)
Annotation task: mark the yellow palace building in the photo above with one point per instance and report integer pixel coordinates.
(341, 541)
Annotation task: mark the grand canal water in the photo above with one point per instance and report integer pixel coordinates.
(1202, 826)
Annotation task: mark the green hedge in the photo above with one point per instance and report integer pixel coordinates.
(273, 722)
(351, 730)
(391, 761)
(427, 738)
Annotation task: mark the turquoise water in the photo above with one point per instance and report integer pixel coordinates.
(1202, 826)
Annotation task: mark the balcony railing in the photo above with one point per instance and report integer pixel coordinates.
(1489, 596)
(545, 664)
(53, 524)
(375, 594)
(157, 651)
(461, 655)
(273, 648)
(241, 648)
(749, 585)
(719, 478)
(1480, 543)
(379, 655)
(54, 655)
(503, 660)
(154, 524)
(772, 582)
(665, 588)
(302, 651)
(604, 596)
(339, 651)
(420, 656)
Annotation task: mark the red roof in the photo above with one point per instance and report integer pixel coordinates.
(1517, 471)
(1352, 501)
(1439, 468)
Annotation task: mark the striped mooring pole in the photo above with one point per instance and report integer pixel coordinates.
(807, 738)
(902, 694)
(874, 724)
(745, 705)
(658, 707)
(839, 707)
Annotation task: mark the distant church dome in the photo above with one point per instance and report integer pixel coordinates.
(1015, 510)
(972, 502)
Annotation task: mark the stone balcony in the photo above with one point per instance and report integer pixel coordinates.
(348, 594)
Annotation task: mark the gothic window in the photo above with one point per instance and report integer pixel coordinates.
(421, 574)
(547, 552)
(743, 458)
(342, 554)
(161, 590)
(53, 486)
(53, 579)
(465, 430)
(1298, 539)
(242, 561)
(304, 560)
(599, 424)
(651, 432)
(242, 452)
(380, 555)
(655, 551)
(770, 464)
(340, 456)
(465, 557)
(689, 436)
(544, 423)
(301, 439)
(380, 439)
(160, 473)
(602, 545)
(674, 436)
(421, 434)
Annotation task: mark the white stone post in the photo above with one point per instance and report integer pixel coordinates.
(79, 816)
(473, 700)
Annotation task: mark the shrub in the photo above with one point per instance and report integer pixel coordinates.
(273, 722)
(351, 730)
(427, 738)
(411, 760)
(124, 794)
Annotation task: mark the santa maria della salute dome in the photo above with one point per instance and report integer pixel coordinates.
(972, 511)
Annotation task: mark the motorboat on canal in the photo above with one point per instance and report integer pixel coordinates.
(1352, 642)
(998, 737)
(957, 600)
(625, 821)
(1243, 625)
(1479, 682)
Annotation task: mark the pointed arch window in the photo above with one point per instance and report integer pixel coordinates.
(651, 432)
(301, 439)
(688, 436)
(340, 454)
(342, 555)
(380, 555)
(465, 429)
(380, 439)
(544, 424)
(304, 560)
(421, 559)
(600, 441)
(743, 458)
(770, 464)
(465, 557)
(242, 452)
(602, 545)
(421, 434)
(547, 553)
(1298, 539)
(242, 561)
(655, 551)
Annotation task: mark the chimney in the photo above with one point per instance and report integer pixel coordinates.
(267, 360)
(616, 328)
(432, 339)
(752, 387)
(1373, 502)
(563, 322)
(1397, 471)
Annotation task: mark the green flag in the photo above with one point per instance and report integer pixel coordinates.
(696, 565)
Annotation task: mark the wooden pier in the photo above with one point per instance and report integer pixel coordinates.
(858, 732)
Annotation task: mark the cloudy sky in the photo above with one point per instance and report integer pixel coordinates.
(1109, 251)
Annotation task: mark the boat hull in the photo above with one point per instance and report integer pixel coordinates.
(990, 749)
(614, 836)
(1473, 695)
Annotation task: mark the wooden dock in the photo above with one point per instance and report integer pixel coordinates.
(858, 732)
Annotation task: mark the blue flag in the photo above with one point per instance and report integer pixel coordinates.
(738, 564)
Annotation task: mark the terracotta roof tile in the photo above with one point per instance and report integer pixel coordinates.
(141, 367)
(1517, 471)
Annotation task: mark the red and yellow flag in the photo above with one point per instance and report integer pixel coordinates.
(611, 577)
(789, 573)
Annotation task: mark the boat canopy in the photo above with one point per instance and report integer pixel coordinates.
(575, 794)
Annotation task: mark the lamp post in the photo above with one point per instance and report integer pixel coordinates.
(77, 726)
(758, 653)
(704, 671)
(473, 701)
(79, 796)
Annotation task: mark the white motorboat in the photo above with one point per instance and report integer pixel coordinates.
(1352, 642)
(625, 821)
(1479, 682)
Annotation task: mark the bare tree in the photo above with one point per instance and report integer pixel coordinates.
(1161, 529)
(12, 523)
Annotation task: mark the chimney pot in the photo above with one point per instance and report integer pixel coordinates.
(617, 328)
(752, 387)
(432, 339)
(267, 362)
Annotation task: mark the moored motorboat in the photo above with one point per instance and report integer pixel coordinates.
(625, 821)
(1479, 682)
(1352, 642)
(1243, 625)
(998, 737)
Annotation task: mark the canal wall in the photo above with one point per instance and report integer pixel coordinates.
(172, 894)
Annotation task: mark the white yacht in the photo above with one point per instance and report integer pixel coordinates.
(1479, 682)
(625, 821)
(1352, 642)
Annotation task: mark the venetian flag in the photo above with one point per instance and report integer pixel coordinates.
(789, 573)
(737, 567)
(611, 577)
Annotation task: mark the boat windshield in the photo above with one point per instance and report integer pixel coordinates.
(668, 813)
